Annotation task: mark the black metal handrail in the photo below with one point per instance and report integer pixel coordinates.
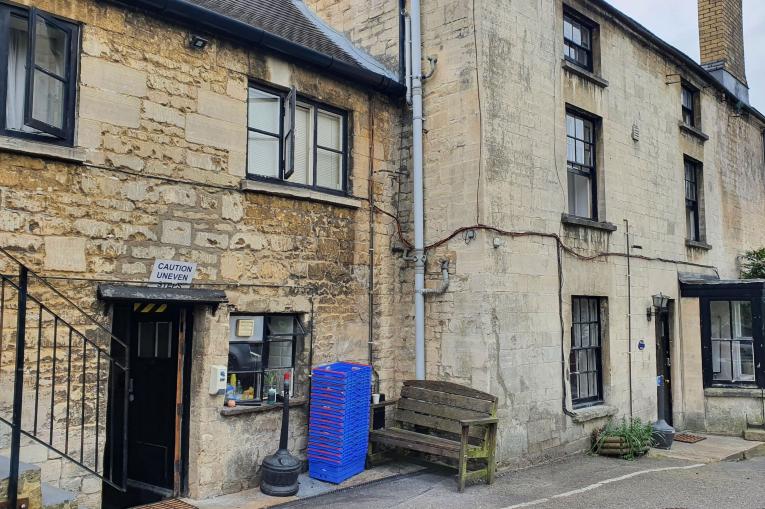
(84, 357)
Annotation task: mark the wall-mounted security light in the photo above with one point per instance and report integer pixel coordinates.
(660, 303)
(197, 42)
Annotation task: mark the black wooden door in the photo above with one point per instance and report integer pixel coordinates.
(664, 362)
(152, 396)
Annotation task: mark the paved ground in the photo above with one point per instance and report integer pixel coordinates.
(578, 482)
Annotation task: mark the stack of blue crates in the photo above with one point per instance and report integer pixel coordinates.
(339, 421)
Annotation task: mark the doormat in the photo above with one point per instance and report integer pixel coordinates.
(171, 503)
(688, 438)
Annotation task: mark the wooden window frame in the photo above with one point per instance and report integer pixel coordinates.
(591, 171)
(596, 399)
(575, 18)
(315, 106)
(693, 203)
(49, 134)
(693, 111)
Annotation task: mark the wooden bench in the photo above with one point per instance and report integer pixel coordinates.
(443, 419)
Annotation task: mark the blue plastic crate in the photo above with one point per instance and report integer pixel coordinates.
(334, 472)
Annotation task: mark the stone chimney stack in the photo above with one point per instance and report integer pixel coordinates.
(721, 38)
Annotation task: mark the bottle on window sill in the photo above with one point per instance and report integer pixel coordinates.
(272, 396)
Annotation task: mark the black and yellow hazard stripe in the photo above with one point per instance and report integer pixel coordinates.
(151, 307)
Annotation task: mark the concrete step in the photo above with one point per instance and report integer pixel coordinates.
(754, 434)
(29, 482)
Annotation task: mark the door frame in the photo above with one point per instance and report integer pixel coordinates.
(122, 322)
(663, 354)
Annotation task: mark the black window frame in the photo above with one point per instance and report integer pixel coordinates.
(574, 18)
(315, 107)
(268, 338)
(730, 292)
(590, 400)
(49, 134)
(691, 112)
(693, 196)
(591, 171)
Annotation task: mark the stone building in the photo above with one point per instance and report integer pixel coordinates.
(576, 167)
(251, 142)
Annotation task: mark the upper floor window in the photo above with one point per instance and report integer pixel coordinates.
(296, 140)
(38, 63)
(689, 98)
(577, 42)
(580, 153)
(692, 220)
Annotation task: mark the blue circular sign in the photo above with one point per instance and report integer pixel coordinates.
(641, 345)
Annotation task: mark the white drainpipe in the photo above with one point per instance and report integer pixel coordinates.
(419, 234)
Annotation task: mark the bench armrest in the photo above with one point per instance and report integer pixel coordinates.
(481, 421)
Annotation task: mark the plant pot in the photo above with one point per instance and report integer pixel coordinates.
(618, 447)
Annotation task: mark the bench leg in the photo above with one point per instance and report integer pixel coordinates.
(491, 462)
(463, 460)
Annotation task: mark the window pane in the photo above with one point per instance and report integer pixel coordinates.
(303, 146)
(146, 339)
(50, 48)
(275, 379)
(329, 130)
(719, 312)
(570, 125)
(164, 340)
(742, 319)
(279, 354)
(579, 133)
(721, 360)
(690, 217)
(579, 195)
(48, 106)
(264, 111)
(743, 361)
(18, 42)
(585, 37)
(567, 29)
(247, 386)
(245, 356)
(281, 325)
(263, 155)
(329, 169)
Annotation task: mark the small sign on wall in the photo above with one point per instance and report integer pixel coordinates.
(173, 273)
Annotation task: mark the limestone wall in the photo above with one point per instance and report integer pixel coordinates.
(159, 156)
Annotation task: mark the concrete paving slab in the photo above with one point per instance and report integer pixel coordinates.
(254, 499)
(714, 448)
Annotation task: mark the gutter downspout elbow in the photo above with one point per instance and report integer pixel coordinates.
(444, 282)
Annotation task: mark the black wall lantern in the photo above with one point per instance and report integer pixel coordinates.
(660, 303)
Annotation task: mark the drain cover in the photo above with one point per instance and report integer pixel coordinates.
(688, 438)
(172, 503)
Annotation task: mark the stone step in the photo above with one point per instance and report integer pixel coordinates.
(56, 498)
(29, 482)
(754, 434)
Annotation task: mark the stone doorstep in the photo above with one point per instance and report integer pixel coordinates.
(49, 496)
(254, 499)
(715, 448)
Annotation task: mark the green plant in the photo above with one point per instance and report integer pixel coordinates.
(753, 264)
(635, 434)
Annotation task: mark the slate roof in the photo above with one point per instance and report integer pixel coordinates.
(294, 21)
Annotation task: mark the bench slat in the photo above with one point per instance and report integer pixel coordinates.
(451, 388)
(416, 441)
(439, 423)
(447, 412)
(452, 400)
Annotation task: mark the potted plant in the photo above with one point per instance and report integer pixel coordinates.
(271, 383)
(626, 439)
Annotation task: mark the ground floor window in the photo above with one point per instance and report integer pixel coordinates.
(585, 364)
(732, 341)
(261, 350)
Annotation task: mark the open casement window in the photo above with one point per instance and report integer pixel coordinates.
(296, 141)
(732, 341)
(262, 348)
(38, 56)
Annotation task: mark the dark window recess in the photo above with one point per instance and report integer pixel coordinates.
(262, 348)
(38, 69)
(689, 98)
(577, 42)
(296, 141)
(580, 153)
(692, 175)
(585, 363)
(732, 341)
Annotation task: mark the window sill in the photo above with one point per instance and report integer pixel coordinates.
(41, 149)
(591, 413)
(733, 392)
(689, 129)
(569, 220)
(584, 73)
(298, 193)
(242, 410)
(698, 244)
